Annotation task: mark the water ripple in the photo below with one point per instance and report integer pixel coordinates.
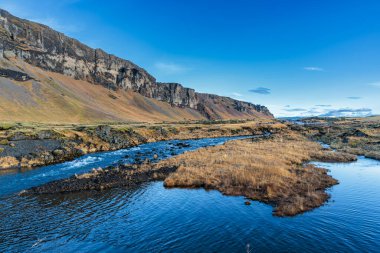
(153, 219)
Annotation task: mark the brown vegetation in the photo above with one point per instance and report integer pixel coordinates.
(271, 171)
(358, 136)
(8, 162)
(41, 144)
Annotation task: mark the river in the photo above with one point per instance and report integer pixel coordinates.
(154, 219)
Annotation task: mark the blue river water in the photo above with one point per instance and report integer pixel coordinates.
(154, 219)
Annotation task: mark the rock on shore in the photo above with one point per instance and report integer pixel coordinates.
(100, 179)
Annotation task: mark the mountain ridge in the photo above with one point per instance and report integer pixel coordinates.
(43, 47)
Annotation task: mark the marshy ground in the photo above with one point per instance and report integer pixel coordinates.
(269, 169)
(28, 145)
(273, 169)
(359, 136)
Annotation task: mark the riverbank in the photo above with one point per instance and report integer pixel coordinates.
(242, 167)
(32, 145)
(358, 136)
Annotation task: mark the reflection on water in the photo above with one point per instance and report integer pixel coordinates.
(154, 219)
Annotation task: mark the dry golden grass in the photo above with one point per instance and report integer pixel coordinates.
(358, 136)
(195, 131)
(271, 171)
(8, 162)
(83, 139)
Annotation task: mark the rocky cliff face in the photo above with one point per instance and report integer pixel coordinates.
(41, 46)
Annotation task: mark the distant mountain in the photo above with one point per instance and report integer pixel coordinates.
(67, 71)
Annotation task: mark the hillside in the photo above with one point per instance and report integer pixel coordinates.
(46, 76)
(53, 97)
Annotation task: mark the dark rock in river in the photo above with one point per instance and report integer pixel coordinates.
(100, 179)
(182, 145)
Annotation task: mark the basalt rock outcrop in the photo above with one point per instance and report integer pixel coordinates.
(15, 75)
(50, 50)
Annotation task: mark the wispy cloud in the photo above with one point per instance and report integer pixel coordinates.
(58, 26)
(296, 110)
(170, 68)
(29, 12)
(323, 105)
(313, 111)
(236, 94)
(354, 98)
(313, 69)
(348, 112)
(375, 84)
(327, 112)
(13, 8)
(261, 90)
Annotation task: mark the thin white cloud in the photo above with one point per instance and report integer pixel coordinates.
(313, 69)
(324, 112)
(23, 11)
(375, 84)
(14, 9)
(261, 90)
(56, 25)
(348, 112)
(296, 110)
(170, 68)
(236, 94)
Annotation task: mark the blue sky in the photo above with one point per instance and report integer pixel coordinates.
(296, 57)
